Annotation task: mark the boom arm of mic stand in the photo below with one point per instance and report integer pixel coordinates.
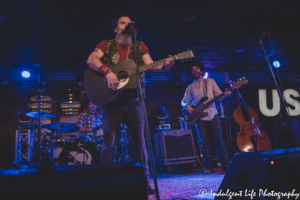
(280, 96)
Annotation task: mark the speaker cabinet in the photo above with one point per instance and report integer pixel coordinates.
(277, 170)
(111, 181)
(172, 147)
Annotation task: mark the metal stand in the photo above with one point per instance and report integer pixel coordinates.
(24, 137)
(125, 157)
(279, 92)
(141, 98)
(39, 96)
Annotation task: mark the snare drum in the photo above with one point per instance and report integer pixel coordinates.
(80, 152)
(57, 147)
(98, 133)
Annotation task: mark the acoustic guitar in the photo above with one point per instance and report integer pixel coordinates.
(96, 85)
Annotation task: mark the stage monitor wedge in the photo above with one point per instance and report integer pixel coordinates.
(277, 170)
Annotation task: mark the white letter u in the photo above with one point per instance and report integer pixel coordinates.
(262, 97)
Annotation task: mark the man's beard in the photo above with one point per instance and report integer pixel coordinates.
(125, 38)
(196, 75)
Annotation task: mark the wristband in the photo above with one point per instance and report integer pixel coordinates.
(104, 70)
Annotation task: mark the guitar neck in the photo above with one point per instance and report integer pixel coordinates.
(149, 66)
(204, 106)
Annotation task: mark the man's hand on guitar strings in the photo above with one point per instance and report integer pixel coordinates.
(227, 93)
(169, 62)
(190, 109)
(112, 80)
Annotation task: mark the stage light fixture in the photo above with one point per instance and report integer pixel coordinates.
(276, 64)
(205, 75)
(25, 74)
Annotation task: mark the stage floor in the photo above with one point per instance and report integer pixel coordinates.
(187, 184)
(178, 184)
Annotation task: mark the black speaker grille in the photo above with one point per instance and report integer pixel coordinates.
(179, 146)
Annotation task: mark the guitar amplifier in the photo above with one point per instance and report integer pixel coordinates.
(173, 147)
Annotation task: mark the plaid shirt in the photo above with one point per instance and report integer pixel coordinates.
(86, 121)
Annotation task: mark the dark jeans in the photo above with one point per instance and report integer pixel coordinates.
(131, 113)
(207, 128)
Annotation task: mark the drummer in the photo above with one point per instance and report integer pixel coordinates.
(90, 122)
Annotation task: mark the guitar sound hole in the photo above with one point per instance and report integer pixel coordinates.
(122, 76)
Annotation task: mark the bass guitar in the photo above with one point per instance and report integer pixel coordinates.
(191, 119)
(96, 86)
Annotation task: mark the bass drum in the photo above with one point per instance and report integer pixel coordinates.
(79, 153)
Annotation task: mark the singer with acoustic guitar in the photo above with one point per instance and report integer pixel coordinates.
(127, 108)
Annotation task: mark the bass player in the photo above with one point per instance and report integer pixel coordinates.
(209, 125)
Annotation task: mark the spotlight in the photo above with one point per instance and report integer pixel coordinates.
(205, 75)
(25, 74)
(276, 64)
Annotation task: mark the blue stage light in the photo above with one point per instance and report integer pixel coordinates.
(276, 64)
(25, 74)
(205, 75)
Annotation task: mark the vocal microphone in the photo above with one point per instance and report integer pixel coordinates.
(129, 27)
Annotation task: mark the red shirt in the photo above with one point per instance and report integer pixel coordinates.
(123, 51)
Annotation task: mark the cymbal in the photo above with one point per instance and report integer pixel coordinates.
(64, 127)
(43, 115)
(28, 125)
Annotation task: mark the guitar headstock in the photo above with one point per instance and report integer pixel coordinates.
(184, 55)
(239, 83)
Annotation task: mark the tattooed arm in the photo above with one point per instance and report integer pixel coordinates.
(94, 61)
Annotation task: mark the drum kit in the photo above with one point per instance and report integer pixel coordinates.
(66, 148)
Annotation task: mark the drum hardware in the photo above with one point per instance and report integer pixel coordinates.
(80, 152)
(42, 115)
(62, 127)
(54, 147)
(124, 157)
(85, 138)
(98, 137)
(97, 131)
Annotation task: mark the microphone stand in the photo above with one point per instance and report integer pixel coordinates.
(39, 123)
(150, 151)
(279, 91)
